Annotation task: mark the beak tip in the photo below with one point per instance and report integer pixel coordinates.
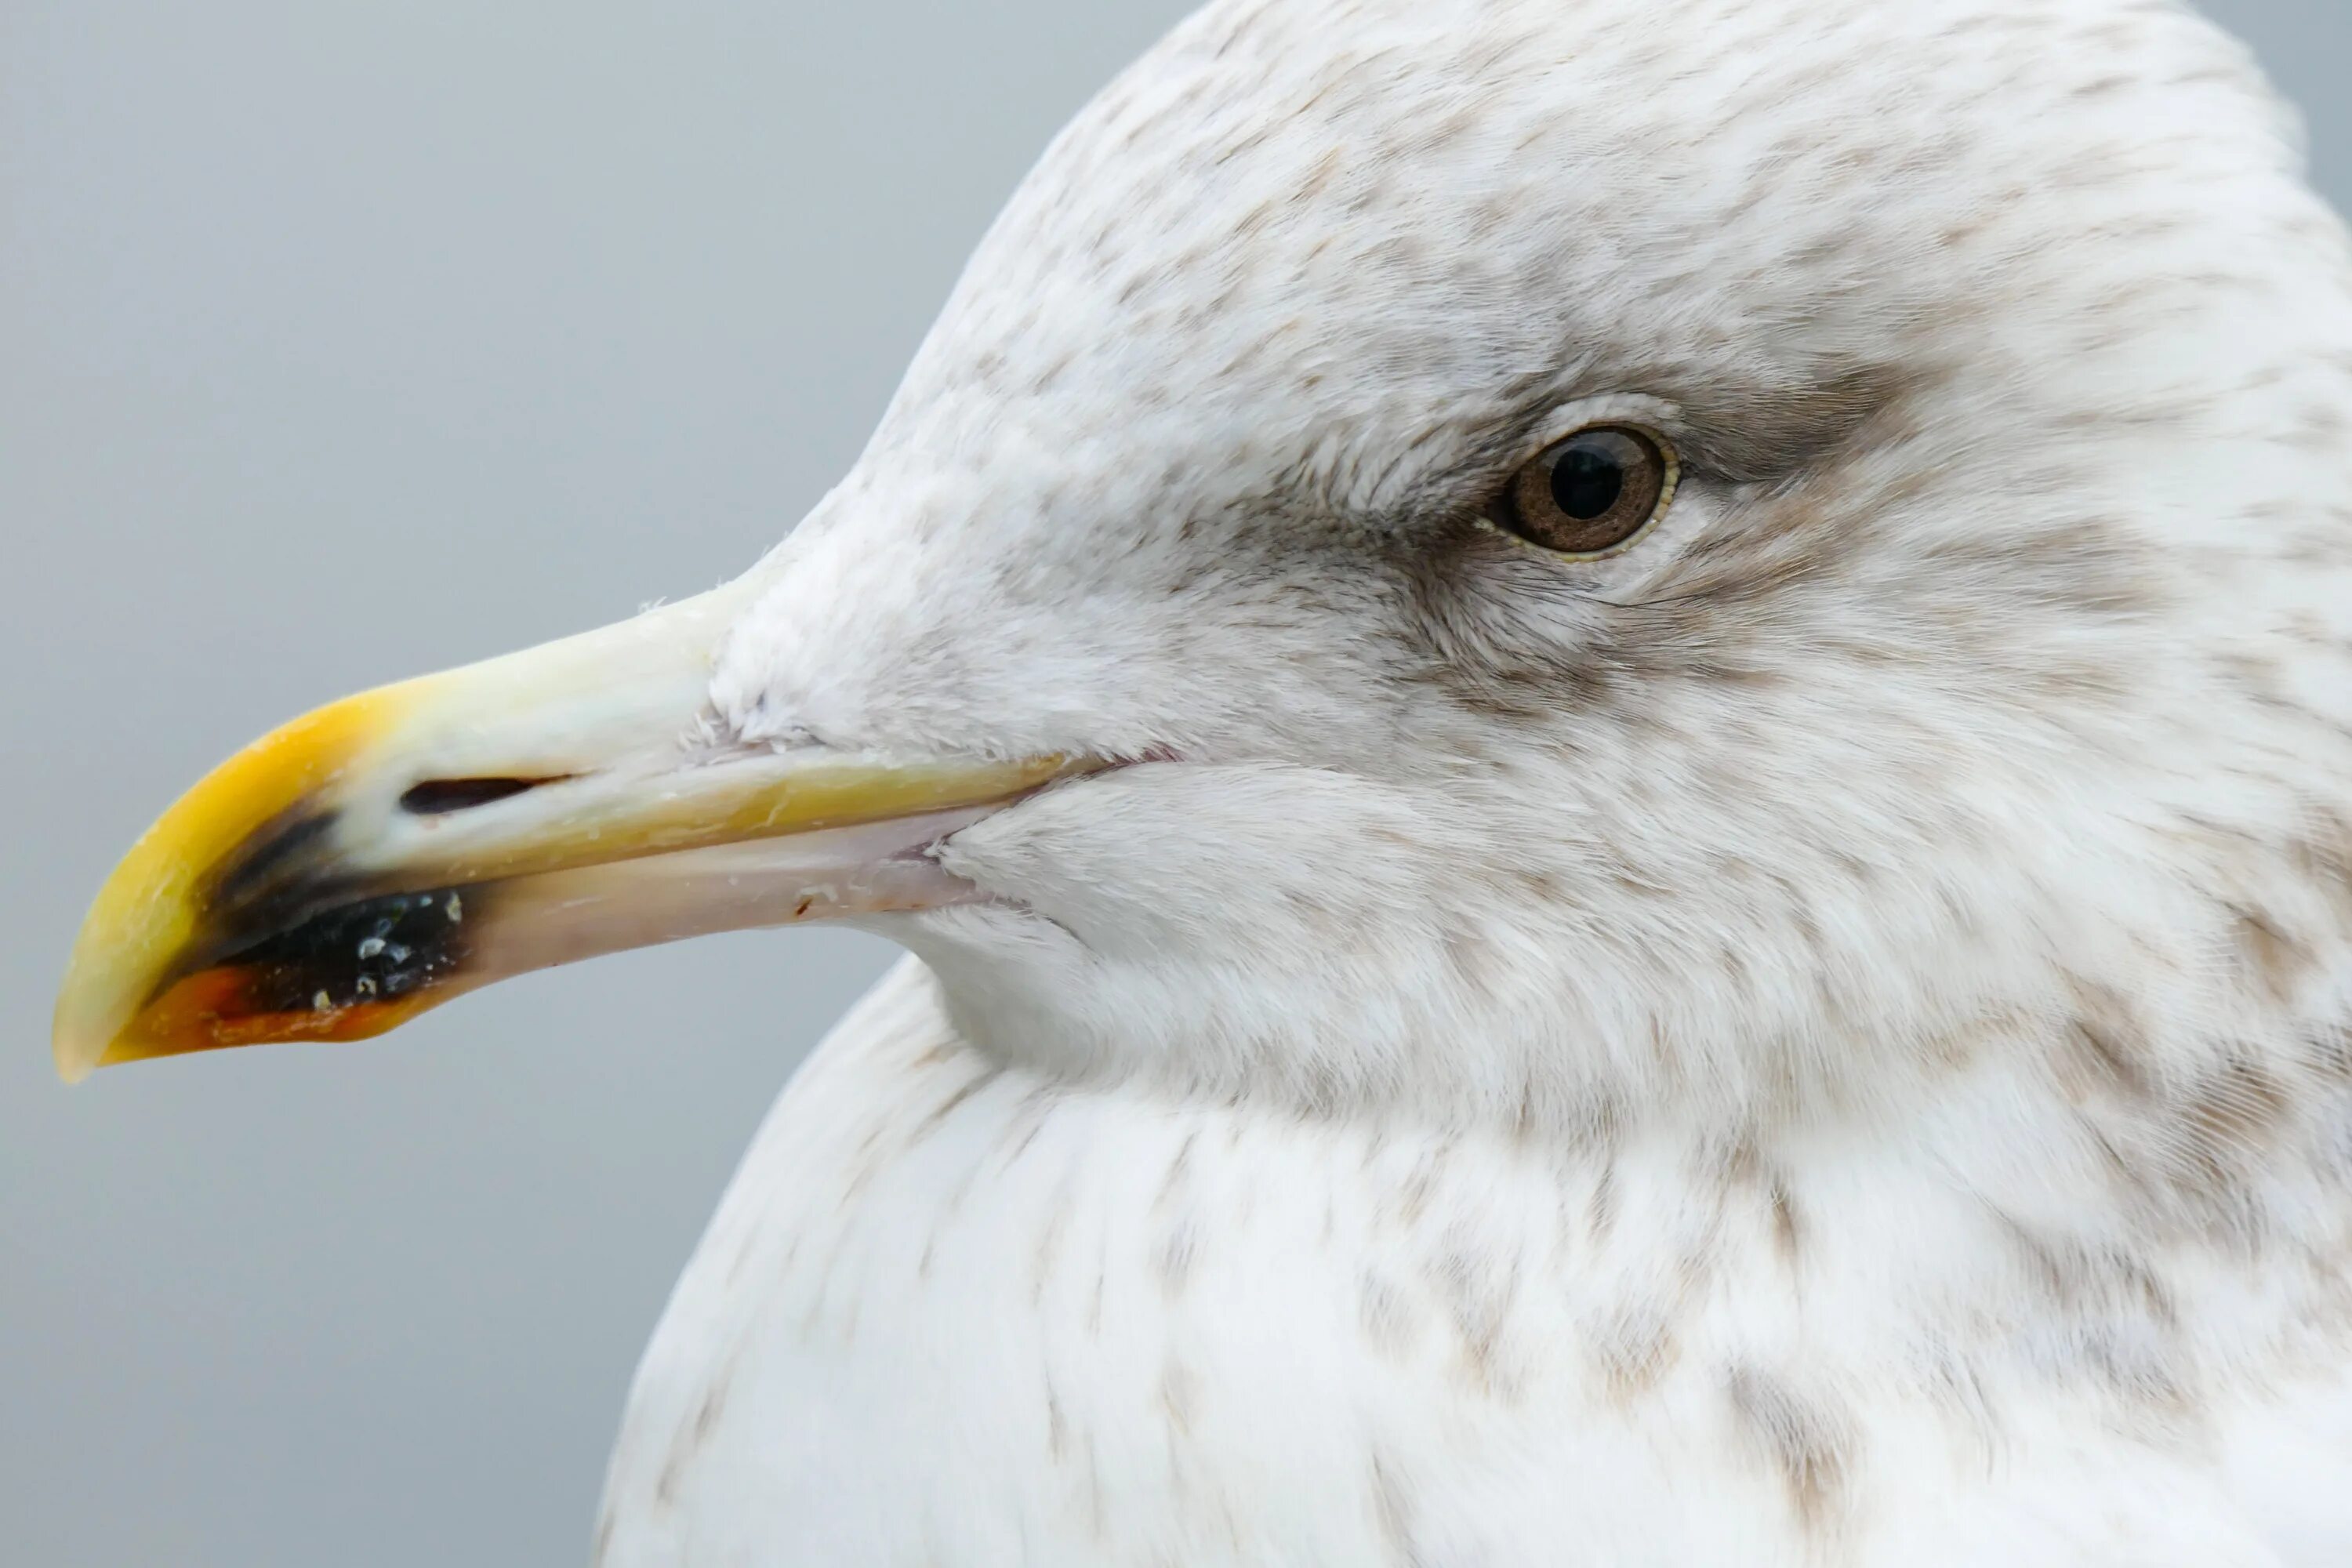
(91, 1013)
(70, 1037)
(74, 1063)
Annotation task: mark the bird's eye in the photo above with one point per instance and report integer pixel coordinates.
(1592, 493)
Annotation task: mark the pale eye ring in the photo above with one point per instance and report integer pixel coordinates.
(1589, 493)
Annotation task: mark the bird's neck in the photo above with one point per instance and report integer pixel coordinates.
(2143, 1248)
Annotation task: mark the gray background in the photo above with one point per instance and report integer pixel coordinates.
(343, 342)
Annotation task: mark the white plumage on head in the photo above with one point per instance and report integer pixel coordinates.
(1817, 1038)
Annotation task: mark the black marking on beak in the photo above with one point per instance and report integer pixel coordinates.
(372, 951)
(267, 855)
(270, 884)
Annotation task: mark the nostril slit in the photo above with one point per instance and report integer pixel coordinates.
(435, 796)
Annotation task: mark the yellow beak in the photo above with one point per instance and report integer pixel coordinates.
(387, 852)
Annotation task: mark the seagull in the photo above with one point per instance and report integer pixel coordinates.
(1614, 742)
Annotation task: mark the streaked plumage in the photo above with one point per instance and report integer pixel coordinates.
(1819, 1039)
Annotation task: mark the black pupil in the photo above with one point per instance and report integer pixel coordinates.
(1587, 482)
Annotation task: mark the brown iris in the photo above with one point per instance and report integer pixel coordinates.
(1589, 492)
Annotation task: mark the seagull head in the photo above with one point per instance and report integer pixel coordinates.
(1515, 559)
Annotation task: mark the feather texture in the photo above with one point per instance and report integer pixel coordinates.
(1819, 1038)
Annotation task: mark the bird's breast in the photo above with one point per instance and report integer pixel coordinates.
(950, 1315)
